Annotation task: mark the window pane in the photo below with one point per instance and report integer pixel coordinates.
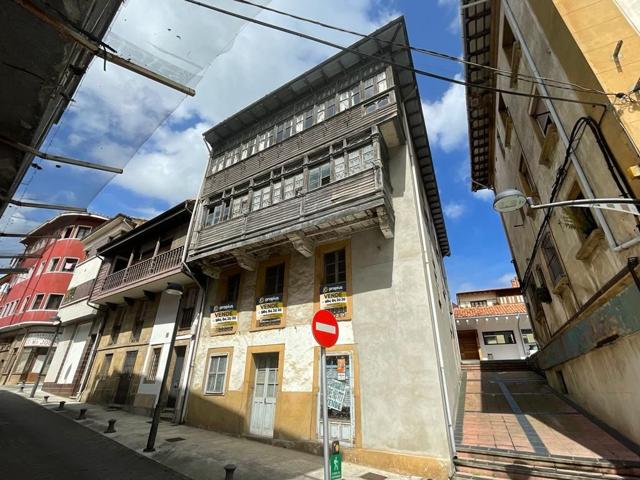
(325, 173)
(299, 123)
(367, 155)
(277, 192)
(344, 101)
(320, 113)
(368, 88)
(338, 167)
(219, 385)
(354, 162)
(314, 178)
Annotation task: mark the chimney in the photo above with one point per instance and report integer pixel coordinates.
(515, 283)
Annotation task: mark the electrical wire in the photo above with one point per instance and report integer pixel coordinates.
(389, 62)
(505, 73)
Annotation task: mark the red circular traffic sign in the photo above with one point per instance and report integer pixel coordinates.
(325, 328)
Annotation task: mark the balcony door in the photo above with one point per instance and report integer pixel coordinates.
(263, 408)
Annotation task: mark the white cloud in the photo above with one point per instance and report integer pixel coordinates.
(505, 280)
(485, 195)
(446, 119)
(454, 210)
(170, 165)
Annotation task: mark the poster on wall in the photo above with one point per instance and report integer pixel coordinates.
(333, 296)
(336, 392)
(341, 368)
(269, 309)
(224, 315)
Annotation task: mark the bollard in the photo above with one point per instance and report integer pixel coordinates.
(46, 398)
(22, 387)
(61, 406)
(229, 469)
(111, 427)
(83, 414)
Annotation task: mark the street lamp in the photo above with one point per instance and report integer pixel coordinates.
(512, 200)
(177, 290)
(55, 322)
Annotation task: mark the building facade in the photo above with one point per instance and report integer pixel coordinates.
(81, 320)
(493, 324)
(137, 286)
(31, 299)
(566, 141)
(322, 195)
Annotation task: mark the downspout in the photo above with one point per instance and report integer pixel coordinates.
(434, 323)
(193, 342)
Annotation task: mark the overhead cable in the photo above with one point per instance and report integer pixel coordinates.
(506, 73)
(387, 61)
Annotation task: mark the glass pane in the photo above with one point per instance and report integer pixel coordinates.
(259, 390)
(261, 377)
(222, 365)
(211, 382)
(219, 384)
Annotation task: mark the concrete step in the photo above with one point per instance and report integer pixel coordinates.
(498, 464)
(498, 366)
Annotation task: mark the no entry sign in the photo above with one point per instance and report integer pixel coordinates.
(325, 328)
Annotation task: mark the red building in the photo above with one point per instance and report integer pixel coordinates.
(30, 300)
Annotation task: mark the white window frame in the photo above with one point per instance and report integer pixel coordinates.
(50, 267)
(216, 374)
(62, 270)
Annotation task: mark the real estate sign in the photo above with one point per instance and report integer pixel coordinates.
(270, 307)
(224, 315)
(333, 296)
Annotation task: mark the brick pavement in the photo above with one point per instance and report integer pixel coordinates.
(518, 411)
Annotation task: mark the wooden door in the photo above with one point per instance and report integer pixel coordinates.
(468, 341)
(174, 388)
(124, 383)
(263, 408)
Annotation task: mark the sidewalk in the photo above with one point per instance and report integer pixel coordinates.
(201, 454)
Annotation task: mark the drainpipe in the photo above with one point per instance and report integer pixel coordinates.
(193, 344)
(584, 182)
(434, 314)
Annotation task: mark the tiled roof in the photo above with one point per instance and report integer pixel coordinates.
(491, 310)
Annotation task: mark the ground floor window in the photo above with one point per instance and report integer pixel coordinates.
(217, 374)
(504, 337)
(339, 399)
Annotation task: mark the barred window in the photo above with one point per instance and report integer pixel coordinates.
(153, 365)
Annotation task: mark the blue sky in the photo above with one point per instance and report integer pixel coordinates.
(116, 114)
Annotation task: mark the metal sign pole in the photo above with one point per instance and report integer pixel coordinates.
(325, 413)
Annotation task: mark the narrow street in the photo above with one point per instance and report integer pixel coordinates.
(37, 444)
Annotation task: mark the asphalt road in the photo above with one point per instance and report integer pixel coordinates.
(38, 444)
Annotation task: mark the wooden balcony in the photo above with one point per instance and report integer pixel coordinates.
(77, 293)
(139, 274)
(359, 201)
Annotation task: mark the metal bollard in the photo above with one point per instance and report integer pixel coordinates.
(111, 427)
(46, 398)
(83, 414)
(61, 406)
(229, 469)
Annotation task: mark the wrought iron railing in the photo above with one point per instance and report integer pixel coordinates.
(145, 269)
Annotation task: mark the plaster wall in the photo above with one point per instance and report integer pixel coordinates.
(605, 382)
(499, 352)
(74, 354)
(64, 343)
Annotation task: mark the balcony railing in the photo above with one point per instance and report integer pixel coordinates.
(78, 292)
(143, 270)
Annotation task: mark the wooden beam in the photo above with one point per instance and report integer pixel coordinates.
(211, 271)
(150, 295)
(245, 260)
(301, 243)
(20, 255)
(386, 225)
(17, 270)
